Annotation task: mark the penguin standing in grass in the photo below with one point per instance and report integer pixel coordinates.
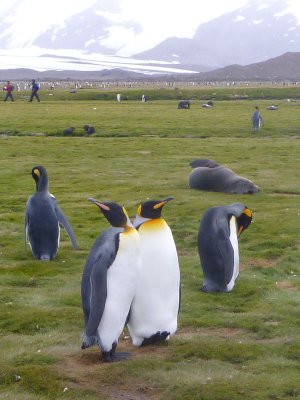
(109, 281)
(219, 230)
(154, 310)
(43, 217)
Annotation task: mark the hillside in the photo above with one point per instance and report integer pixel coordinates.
(282, 68)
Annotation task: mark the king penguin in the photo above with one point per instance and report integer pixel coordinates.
(109, 281)
(43, 217)
(219, 230)
(154, 310)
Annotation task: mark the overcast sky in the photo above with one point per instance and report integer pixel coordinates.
(159, 18)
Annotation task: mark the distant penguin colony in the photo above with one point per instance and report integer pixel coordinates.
(155, 307)
(219, 230)
(109, 281)
(42, 219)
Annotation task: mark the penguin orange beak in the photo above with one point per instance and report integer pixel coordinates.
(247, 218)
(163, 202)
(139, 210)
(100, 205)
(240, 231)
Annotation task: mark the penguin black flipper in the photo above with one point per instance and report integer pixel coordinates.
(65, 223)
(213, 249)
(218, 235)
(94, 282)
(216, 278)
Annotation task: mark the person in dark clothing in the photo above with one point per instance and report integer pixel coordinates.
(34, 91)
(256, 120)
(9, 88)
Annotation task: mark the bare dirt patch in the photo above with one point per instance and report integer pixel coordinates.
(288, 285)
(257, 262)
(86, 370)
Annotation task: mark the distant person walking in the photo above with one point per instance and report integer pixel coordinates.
(9, 88)
(34, 91)
(256, 120)
(119, 97)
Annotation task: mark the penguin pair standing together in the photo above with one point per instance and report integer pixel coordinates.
(43, 218)
(219, 230)
(131, 276)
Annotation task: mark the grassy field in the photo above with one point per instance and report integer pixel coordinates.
(240, 345)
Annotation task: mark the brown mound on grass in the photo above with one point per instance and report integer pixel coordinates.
(86, 370)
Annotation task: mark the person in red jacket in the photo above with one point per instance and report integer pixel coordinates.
(9, 88)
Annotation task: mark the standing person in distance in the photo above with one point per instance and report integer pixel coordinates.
(34, 91)
(9, 88)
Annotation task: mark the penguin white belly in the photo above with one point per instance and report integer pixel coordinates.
(156, 303)
(234, 242)
(58, 238)
(121, 284)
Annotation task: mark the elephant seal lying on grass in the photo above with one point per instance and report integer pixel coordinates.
(204, 162)
(220, 179)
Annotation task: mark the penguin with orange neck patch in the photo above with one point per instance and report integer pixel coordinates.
(154, 310)
(219, 231)
(109, 281)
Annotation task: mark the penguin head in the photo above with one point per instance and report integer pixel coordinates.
(244, 220)
(40, 176)
(115, 214)
(151, 209)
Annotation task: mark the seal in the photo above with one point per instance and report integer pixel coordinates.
(204, 162)
(220, 179)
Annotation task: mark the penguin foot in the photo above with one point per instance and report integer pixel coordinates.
(157, 337)
(88, 341)
(112, 356)
(109, 356)
(45, 257)
(204, 289)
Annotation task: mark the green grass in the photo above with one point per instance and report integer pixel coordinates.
(240, 345)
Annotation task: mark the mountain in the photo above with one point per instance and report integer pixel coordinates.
(284, 67)
(187, 52)
(256, 32)
(93, 40)
(86, 31)
(114, 74)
